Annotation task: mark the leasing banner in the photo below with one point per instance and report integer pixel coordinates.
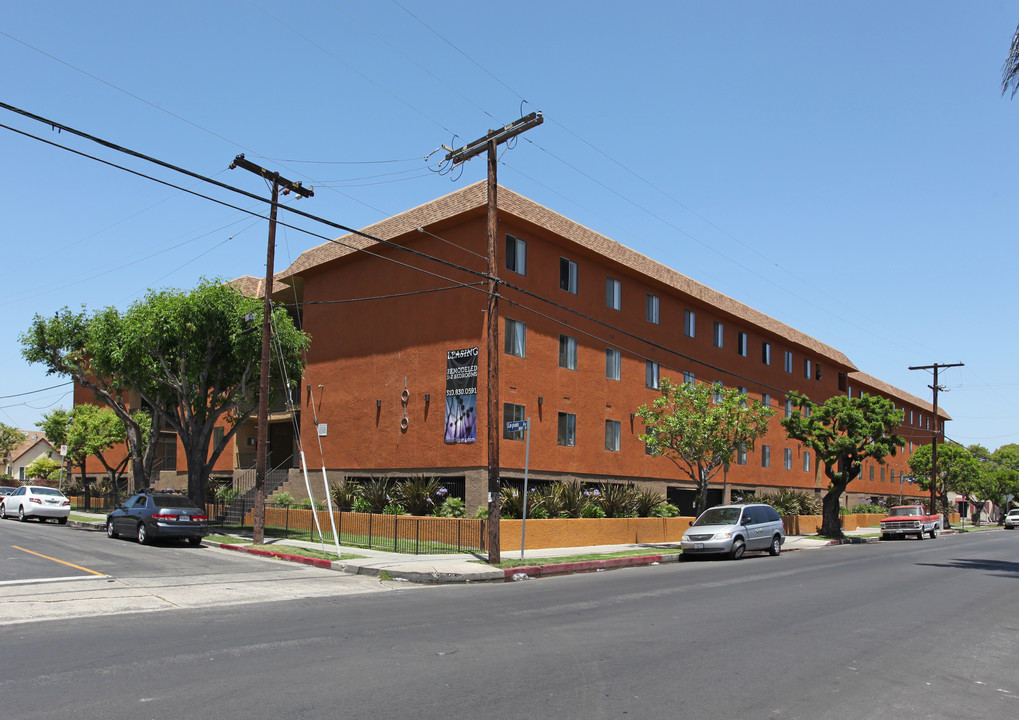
(462, 395)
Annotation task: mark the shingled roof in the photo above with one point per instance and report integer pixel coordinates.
(473, 198)
(894, 392)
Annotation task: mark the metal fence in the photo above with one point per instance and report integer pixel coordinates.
(94, 502)
(409, 534)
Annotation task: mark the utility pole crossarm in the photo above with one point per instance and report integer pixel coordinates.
(934, 435)
(500, 136)
(286, 185)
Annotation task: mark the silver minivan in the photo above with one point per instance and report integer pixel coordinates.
(734, 529)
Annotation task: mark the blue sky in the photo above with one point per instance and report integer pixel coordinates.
(848, 169)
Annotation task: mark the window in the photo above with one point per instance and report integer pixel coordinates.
(882, 474)
(742, 391)
(765, 456)
(766, 353)
(612, 435)
(806, 368)
(717, 387)
(516, 338)
(766, 400)
(511, 413)
(648, 430)
(718, 334)
(567, 429)
(217, 437)
(568, 275)
(788, 407)
(613, 364)
(613, 294)
(872, 473)
(741, 343)
(652, 308)
(787, 459)
(849, 394)
(788, 361)
(806, 461)
(688, 377)
(651, 374)
(690, 323)
(741, 454)
(567, 352)
(910, 417)
(516, 255)
(817, 371)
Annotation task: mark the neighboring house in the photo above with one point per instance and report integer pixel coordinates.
(33, 447)
(396, 372)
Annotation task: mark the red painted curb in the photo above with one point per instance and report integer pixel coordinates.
(584, 566)
(317, 562)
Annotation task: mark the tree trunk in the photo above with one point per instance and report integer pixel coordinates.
(831, 523)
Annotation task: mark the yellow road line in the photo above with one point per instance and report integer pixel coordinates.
(62, 562)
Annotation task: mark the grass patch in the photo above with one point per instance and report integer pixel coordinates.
(506, 563)
(404, 546)
(227, 540)
(284, 549)
(85, 518)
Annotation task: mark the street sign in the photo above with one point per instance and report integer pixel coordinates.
(516, 425)
(63, 450)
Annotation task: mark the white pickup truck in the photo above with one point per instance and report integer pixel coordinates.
(906, 520)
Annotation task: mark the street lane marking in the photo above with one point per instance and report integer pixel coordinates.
(62, 562)
(36, 581)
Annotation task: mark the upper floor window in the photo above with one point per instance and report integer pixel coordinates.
(766, 353)
(567, 352)
(787, 459)
(806, 461)
(510, 413)
(613, 364)
(788, 361)
(651, 374)
(741, 454)
(765, 456)
(567, 434)
(516, 255)
(741, 343)
(613, 294)
(806, 368)
(516, 338)
(718, 334)
(688, 377)
(689, 323)
(612, 428)
(568, 275)
(766, 400)
(652, 308)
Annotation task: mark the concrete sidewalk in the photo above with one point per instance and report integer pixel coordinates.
(468, 568)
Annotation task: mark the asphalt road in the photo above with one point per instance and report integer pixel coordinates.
(897, 629)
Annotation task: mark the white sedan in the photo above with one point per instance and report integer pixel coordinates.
(36, 501)
(1012, 519)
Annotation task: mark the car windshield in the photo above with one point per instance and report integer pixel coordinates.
(719, 516)
(904, 511)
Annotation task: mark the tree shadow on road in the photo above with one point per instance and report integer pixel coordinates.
(996, 567)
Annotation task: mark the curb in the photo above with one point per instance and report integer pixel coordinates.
(538, 571)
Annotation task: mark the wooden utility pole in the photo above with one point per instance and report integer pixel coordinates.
(934, 435)
(490, 143)
(262, 438)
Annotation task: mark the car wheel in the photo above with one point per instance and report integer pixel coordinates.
(194, 541)
(143, 534)
(919, 535)
(21, 513)
(110, 532)
(62, 521)
(738, 548)
(3, 511)
(934, 533)
(886, 536)
(776, 546)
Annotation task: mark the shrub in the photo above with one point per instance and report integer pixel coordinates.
(512, 503)
(538, 513)
(283, 500)
(616, 499)
(867, 508)
(592, 511)
(420, 495)
(792, 502)
(665, 510)
(568, 499)
(647, 502)
(226, 494)
(344, 493)
(362, 505)
(481, 513)
(308, 504)
(394, 509)
(378, 491)
(452, 507)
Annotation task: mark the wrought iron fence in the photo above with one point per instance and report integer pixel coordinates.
(409, 534)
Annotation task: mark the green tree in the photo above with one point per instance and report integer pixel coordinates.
(843, 432)
(87, 349)
(43, 468)
(701, 427)
(958, 471)
(189, 357)
(10, 438)
(96, 430)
